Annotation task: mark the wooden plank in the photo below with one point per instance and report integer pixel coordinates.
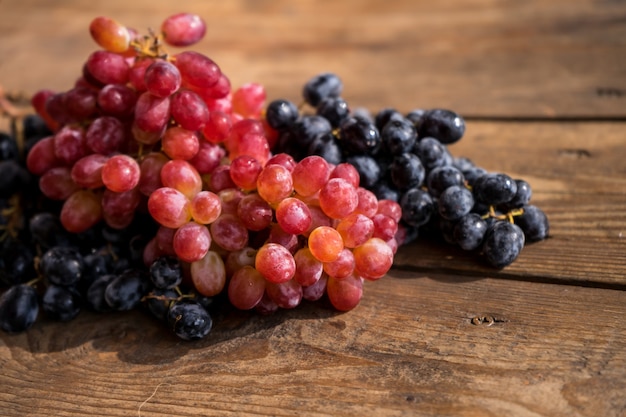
(578, 175)
(409, 348)
(481, 58)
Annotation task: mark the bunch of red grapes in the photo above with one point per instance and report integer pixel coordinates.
(145, 131)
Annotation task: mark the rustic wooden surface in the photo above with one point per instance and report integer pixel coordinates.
(543, 87)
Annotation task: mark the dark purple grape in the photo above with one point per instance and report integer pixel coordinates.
(127, 289)
(407, 171)
(95, 293)
(159, 301)
(442, 124)
(62, 265)
(503, 243)
(8, 147)
(469, 231)
(494, 189)
(384, 116)
(522, 196)
(432, 153)
(13, 178)
(309, 127)
(385, 191)
(455, 202)
(189, 320)
(534, 223)
(359, 136)
(166, 272)
(47, 231)
(398, 136)
(19, 308)
(327, 147)
(333, 109)
(368, 169)
(281, 114)
(61, 303)
(320, 87)
(417, 206)
(440, 178)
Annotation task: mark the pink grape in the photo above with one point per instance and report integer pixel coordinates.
(218, 127)
(118, 209)
(274, 183)
(316, 290)
(220, 179)
(169, 207)
(188, 110)
(117, 100)
(152, 113)
(70, 144)
(279, 236)
(248, 100)
(283, 159)
(109, 34)
(191, 242)
(390, 208)
(57, 183)
(219, 90)
(310, 175)
(373, 259)
(183, 29)
(338, 198)
(80, 103)
(120, 173)
(355, 229)
(205, 207)
(196, 69)
(182, 176)
(150, 177)
(230, 198)
(144, 137)
(41, 157)
(208, 157)
(308, 269)
(137, 72)
(266, 306)
(275, 263)
(81, 211)
(236, 260)
(229, 233)
(165, 240)
(246, 288)
(342, 267)
(179, 143)
(254, 212)
(107, 67)
(87, 171)
(105, 135)
(348, 172)
(385, 227)
(162, 78)
(293, 216)
(368, 203)
(285, 294)
(325, 244)
(38, 101)
(345, 294)
(208, 275)
(244, 171)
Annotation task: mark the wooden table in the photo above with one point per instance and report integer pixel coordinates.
(542, 85)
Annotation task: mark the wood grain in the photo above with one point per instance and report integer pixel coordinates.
(442, 335)
(409, 348)
(481, 58)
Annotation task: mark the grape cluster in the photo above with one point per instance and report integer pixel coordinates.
(152, 183)
(166, 194)
(405, 158)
